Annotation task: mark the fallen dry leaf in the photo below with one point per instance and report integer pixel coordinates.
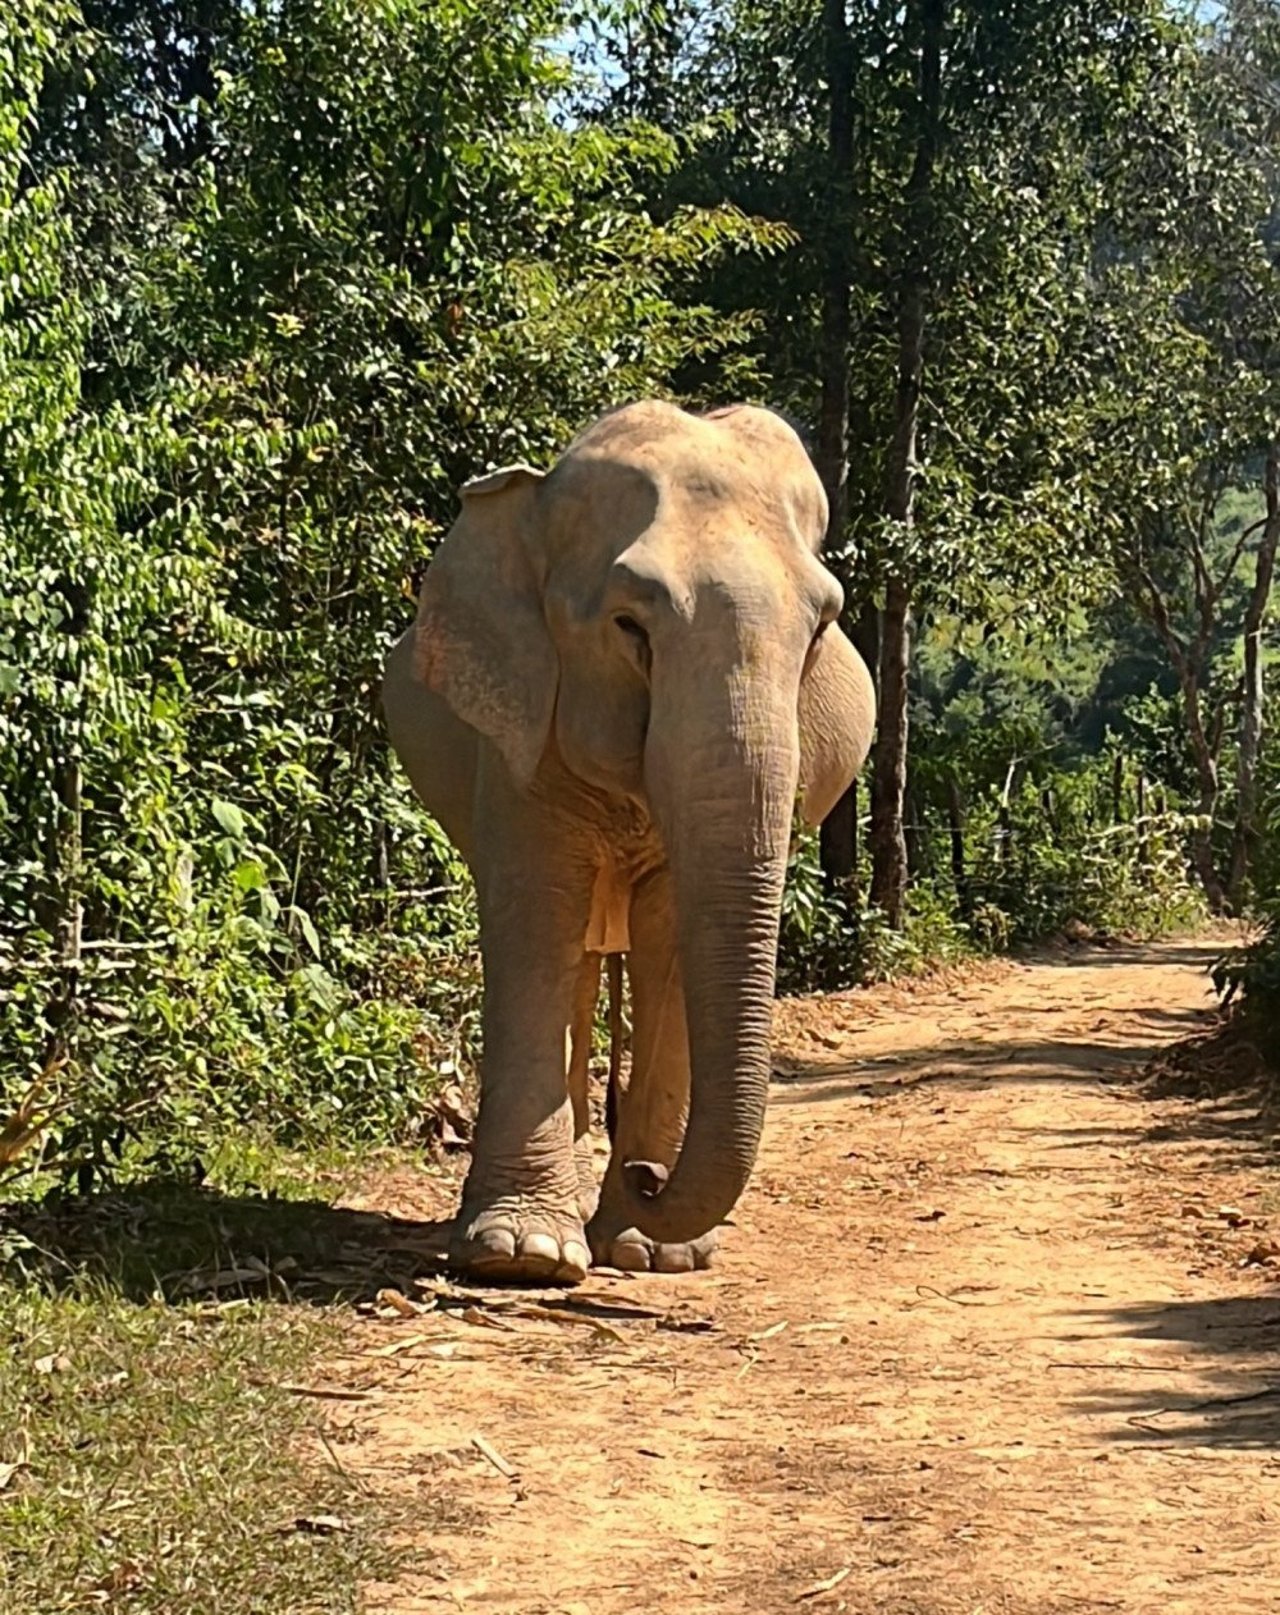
(122, 1578)
(318, 1524)
(687, 1326)
(440, 1287)
(8, 1471)
(826, 1586)
(397, 1346)
(561, 1316)
(484, 1320)
(223, 1278)
(494, 1457)
(770, 1332)
(324, 1393)
(452, 1118)
(400, 1303)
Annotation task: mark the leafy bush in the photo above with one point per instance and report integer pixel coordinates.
(1036, 857)
(251, 340)
(831, 940)
(1051, 856)
(1252, 974)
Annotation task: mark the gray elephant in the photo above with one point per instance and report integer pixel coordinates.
(623, 676)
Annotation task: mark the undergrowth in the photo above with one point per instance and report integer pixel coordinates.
(152, 1457)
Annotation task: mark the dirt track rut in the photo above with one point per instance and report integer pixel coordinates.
(979, 1341)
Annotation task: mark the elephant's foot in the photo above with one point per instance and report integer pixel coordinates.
(516, 1238)
(634, 1252)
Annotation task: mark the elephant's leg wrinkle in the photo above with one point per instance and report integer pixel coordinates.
(653, 1107)
(520, 1215)
(579, 1065)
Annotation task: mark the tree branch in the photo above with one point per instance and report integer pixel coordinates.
(1158, 611)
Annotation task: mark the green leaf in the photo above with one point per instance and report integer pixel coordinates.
(229, 818)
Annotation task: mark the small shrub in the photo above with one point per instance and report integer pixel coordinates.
(830, 941)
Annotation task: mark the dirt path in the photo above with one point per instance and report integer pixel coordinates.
(980, 1341)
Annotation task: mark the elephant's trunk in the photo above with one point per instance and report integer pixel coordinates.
(723, 801)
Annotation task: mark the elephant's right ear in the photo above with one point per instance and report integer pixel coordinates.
(482, 640)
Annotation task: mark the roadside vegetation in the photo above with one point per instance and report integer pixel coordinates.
(274, 280)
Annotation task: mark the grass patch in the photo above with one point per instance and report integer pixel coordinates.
(156, 1464)
(150, 1457)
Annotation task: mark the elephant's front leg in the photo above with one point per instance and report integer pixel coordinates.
(652, 1111)
(521, 1216)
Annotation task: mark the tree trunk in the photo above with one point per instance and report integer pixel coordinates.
(833, 419)
(838, 842)
(911, 830)
(1144, 841)
(1190, 660)
(1245, 835)
(959, 874)
(65, 856)
(888, 843)
(1004, 824)
(1206, 761)
(1050, 816)
(838, 835)
(888, 786)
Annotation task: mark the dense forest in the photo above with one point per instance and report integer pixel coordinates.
(276, 276)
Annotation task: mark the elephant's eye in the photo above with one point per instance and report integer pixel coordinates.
(631, 628)
(637, 643)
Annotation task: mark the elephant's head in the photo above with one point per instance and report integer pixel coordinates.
(656, 607)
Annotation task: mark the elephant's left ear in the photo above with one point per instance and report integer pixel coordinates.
(482, 640)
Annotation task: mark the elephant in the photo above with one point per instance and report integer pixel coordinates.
(624, 678)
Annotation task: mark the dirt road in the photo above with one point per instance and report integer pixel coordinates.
(979, 1341)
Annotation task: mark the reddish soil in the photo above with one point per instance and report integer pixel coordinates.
(985, 1338)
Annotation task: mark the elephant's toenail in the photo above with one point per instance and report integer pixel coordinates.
(577, 1259)
(630, 1255)
(540, 1246)
(496, 1241)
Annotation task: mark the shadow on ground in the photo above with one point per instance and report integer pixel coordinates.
(181, 1242)
(1233, 1063)
(1234, 1344)
(1194, 955)
(1019, 1060)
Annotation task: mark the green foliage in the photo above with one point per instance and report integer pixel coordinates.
(275, 279)
(1043, 854)
(1252, 973)
(833, 940)
(1054, 856)
(257, 328)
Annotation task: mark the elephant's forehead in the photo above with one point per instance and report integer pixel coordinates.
(676, 493)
